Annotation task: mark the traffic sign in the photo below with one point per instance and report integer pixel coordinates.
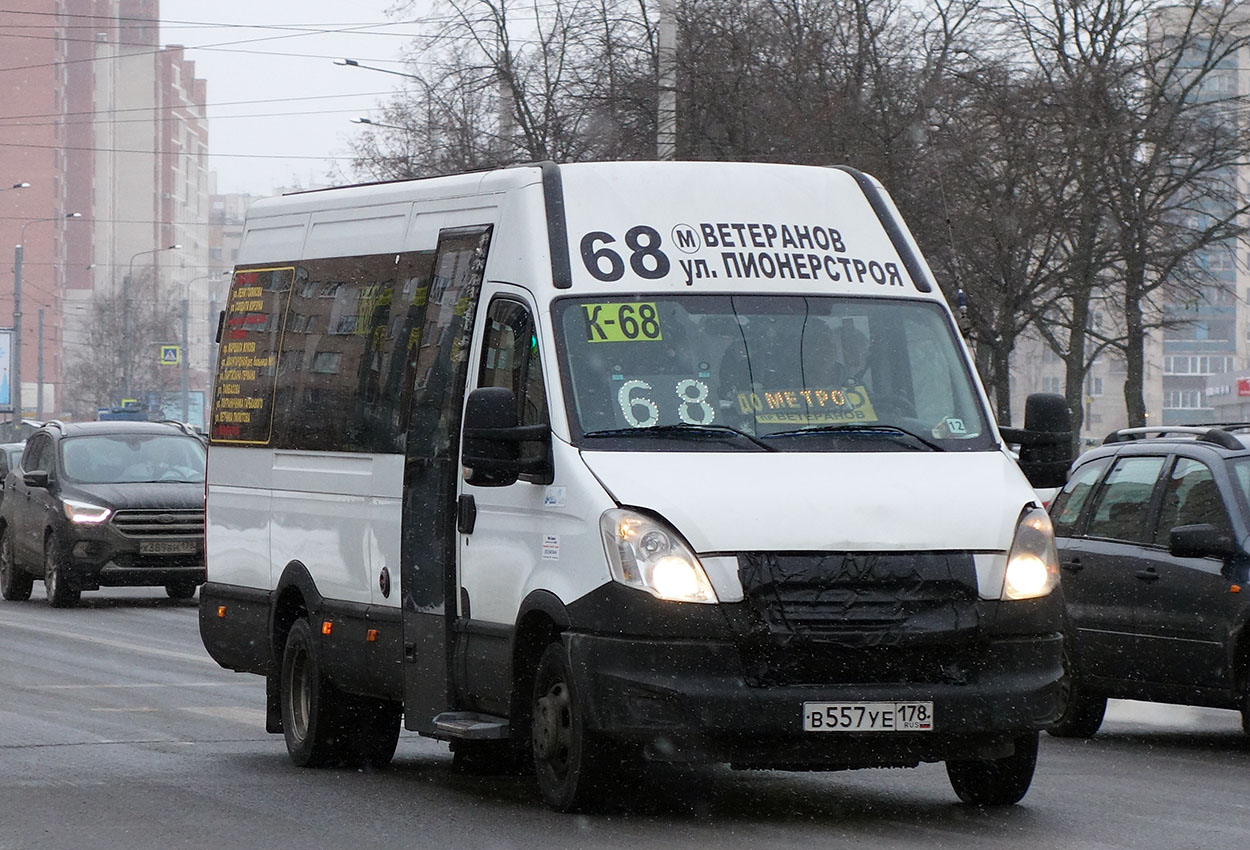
(171, 355)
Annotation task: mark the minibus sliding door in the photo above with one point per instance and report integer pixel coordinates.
(442, 335)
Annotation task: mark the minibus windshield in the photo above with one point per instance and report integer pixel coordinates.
(760, 373)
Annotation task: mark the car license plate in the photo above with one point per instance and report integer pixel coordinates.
(867, 717)
(167, 547)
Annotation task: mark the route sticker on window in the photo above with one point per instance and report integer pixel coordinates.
(626, 321)
(810, 406)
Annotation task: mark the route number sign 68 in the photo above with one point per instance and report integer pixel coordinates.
(645, 258)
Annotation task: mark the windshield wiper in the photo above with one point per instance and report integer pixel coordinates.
(888, 431)
(683, 430)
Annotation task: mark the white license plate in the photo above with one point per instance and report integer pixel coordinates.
(166, 547)
(867, 717)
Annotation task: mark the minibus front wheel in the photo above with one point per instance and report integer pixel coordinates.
(996, 782)
(572, 763)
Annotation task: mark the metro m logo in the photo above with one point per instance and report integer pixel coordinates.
(686, 238)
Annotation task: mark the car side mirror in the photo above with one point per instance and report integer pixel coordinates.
(1045, 441)
(1202, 540)
(37, 478)
(491, 450)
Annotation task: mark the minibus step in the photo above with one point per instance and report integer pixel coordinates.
(471, 725)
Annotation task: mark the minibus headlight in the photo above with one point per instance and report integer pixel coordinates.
(85, 512)
(646, 554)
(1033, 565)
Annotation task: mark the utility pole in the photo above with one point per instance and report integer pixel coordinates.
(16, 387)
(18, 252)
(666, 56)
(185, 366)
(125, 339)
(39, 373)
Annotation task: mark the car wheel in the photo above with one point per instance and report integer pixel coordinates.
(312, 709)
(996, 782)
(15, 584)
(571, 762)
(60, 593)
(1080, 713)
(181, 590)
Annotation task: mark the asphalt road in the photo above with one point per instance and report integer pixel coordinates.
(118, 732)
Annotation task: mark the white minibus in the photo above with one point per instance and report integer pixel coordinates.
(578, 467)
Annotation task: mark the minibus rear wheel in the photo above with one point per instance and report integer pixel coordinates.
(372, 731)
(571, 762)
(312, 709)
(996, 782)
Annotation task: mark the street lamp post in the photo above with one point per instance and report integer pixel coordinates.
(186, 341)
(352, 63)
(126, 351)
(373, 123)
(18, 251)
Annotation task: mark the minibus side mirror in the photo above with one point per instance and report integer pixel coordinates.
(491, 454)
(1045, 441)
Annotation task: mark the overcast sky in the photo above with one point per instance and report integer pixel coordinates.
(278, 120)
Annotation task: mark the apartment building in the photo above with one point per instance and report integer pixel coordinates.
(105, 122)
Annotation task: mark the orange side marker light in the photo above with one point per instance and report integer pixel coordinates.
(1236, 588)
(221, 612)
(326, 627)
(371, 635)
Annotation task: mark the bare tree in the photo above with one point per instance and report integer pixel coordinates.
(499, 82)
(93, 379)
(1001, 176)
(1159, 155)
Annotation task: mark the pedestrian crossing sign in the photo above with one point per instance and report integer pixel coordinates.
(171, 355)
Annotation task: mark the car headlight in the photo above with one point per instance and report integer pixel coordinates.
(646, 554)
(1033, 565)
(85, 512)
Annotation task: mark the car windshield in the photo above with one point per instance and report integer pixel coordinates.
(132, 458)
(1240, 468)
(794, 373)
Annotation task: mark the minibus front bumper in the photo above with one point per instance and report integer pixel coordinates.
(691, 701)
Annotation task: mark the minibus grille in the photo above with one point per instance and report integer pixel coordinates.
(159, 523)
(829, 617)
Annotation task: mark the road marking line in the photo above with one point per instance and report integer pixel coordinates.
(246, 716)
(135, 685)
(125, 710)
(116, 644)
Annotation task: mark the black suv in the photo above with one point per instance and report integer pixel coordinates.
(104, 503)
(1152, 530)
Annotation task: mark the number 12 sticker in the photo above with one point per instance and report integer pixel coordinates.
(634, 321)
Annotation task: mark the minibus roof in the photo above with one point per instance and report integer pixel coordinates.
(665, 226)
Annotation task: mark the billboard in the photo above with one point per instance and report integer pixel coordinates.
(6, 370)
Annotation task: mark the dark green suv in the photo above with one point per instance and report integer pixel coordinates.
(98, 504)
(1153, 530)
